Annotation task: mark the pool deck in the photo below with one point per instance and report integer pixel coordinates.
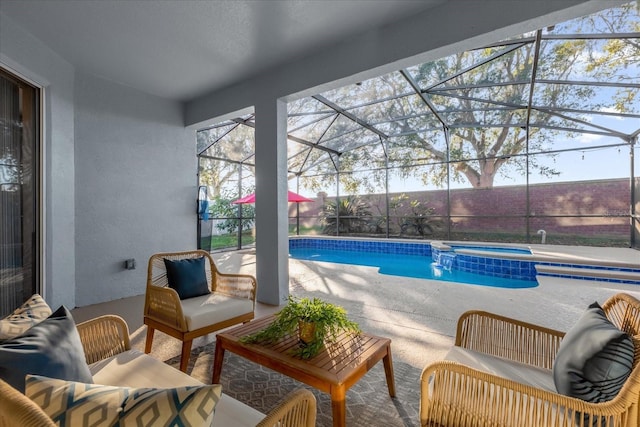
(419, 315)
(590, 255)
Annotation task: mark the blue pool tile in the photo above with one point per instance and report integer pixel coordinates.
(498, 267)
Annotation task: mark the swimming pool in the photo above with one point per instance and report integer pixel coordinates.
(487, 264)
(401, 259)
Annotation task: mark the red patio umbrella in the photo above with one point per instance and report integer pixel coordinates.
(292, 197)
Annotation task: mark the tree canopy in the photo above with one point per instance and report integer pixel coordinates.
(476, 114)
(467, 118)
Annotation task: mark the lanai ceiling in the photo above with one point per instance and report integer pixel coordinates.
(183, 49)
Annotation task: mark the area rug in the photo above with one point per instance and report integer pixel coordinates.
(368, 401)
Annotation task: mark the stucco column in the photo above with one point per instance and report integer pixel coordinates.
(272, 241)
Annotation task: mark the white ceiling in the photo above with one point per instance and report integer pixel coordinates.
(181, 49)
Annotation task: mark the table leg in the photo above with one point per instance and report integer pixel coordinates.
(338, 405)
(388, 372)
(217, 362)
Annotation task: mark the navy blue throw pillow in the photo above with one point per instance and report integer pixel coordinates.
(52, 348)
(187, 277)
(595, 358)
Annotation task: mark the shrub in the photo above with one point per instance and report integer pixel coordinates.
(350, 215)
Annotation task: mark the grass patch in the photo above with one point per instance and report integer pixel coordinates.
(226, 241)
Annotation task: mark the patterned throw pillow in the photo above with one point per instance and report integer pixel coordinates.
(70, 403)
(27, 315)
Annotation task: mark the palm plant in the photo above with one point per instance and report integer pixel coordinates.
(349, 215)
(421, 220)
(416, 217)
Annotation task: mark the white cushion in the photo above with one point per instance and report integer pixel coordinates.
(518, 372)
(213, 308)
(135, 369)
(233, 413)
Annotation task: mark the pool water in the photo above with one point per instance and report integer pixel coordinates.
(417, 266)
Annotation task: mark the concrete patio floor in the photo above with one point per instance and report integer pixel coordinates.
(418, 315)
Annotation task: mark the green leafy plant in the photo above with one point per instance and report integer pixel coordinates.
(414, 215)
(227, 213)
(329, 319)
(350, 215)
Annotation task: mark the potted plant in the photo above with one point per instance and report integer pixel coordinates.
(314, 320)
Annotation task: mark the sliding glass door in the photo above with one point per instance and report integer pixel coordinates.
(19, 191)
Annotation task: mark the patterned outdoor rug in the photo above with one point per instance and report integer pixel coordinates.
(368, 401)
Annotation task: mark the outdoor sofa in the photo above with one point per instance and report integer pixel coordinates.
(112, 362)
(501, 372)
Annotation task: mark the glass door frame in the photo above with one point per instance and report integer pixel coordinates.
(35, 240)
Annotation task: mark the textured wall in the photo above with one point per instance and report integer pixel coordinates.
(135, 186)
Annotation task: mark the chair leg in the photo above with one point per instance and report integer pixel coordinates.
(186, 354)
(149, 341)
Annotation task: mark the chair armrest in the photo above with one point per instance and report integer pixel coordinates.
(236, 285)
(103, 337)
(456, 395)
(17, 410)
(508, 338)
(297, 409)
(162, 304)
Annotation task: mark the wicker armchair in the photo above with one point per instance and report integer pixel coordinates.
(17, 410)
(296, 409)
(224, 307)
(453, 394)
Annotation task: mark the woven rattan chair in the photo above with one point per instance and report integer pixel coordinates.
(17, 410)
(453, 394)
(232, 301)
(296, 409)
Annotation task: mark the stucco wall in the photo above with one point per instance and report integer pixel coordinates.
(119, 176)
(135, 186)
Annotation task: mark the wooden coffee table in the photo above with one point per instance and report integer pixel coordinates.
(334, 370)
